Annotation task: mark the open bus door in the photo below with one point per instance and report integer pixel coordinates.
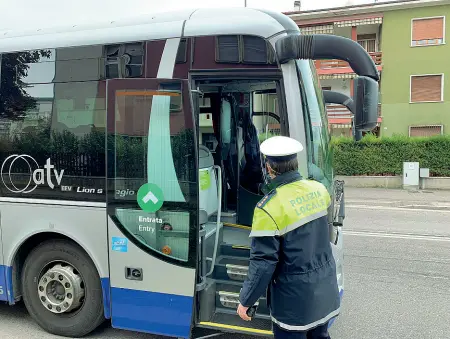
(152, 205)
(225, 226)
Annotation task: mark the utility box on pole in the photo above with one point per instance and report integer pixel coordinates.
(411, 175)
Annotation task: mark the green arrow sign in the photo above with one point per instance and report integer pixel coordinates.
(150, 198)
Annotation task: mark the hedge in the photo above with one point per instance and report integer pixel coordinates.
(385, 156)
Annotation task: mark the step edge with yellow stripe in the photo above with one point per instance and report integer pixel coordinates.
(227, 224)
(233, 327)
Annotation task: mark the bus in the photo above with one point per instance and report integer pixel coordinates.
(130, 163)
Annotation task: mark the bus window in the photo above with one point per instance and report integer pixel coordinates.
(266, 116)
(52, 109)
(316, 122)
(153, 155)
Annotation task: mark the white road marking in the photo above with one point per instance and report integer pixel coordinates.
(396, 236)
(399, 203)
(398, 208)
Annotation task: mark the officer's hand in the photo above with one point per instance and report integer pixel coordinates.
(242, 311)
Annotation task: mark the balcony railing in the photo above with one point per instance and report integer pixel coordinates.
(336, 111)
(334, 63)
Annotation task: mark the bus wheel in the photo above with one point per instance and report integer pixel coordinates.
(61, 289)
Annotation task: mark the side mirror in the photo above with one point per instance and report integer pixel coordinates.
(366, 103)
(329, 46)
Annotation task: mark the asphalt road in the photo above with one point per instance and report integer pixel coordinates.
(397, 273)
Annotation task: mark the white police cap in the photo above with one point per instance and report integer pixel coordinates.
(280, 147)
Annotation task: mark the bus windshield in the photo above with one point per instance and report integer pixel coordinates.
(320, 165)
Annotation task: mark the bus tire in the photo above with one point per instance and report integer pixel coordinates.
(62, 266)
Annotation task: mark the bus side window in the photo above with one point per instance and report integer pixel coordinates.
(53, 108)
(266, 116)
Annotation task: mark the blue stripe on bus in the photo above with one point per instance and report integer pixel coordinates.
(9, 284)
(3, 285)
(6, 285)
(341, 293)
(156, 313)
(106, 297)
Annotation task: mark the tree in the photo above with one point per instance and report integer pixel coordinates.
(14, 100)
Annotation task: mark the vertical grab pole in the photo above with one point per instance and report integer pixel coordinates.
(219, 216)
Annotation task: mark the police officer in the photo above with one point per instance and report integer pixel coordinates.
(291, 253)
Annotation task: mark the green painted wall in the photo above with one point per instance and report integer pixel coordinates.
(400, 61)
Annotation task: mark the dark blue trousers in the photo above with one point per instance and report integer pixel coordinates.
(320, 332)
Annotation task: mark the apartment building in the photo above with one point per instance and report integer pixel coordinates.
(406, 40)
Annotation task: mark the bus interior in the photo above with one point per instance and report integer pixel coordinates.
(240, 114)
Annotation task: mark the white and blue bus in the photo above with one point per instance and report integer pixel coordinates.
(130, 163)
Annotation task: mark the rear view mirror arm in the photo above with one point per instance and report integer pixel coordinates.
(327, 46)
(332, 97)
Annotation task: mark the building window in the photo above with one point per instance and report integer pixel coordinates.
(427, 88)
(428, 31)
(326, 88)
(317, 29)
(425, 131)
(368, 42)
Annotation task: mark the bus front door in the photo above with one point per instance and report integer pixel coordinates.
(152, 205)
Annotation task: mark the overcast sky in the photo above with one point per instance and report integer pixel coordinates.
(20, 12)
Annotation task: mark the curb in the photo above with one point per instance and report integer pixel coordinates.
(432, 183)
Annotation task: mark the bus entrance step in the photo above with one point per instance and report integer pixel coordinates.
(230, 299)
(231, 268)
(241, 251)
(229, 321)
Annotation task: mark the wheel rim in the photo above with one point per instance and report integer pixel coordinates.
(61, 289)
